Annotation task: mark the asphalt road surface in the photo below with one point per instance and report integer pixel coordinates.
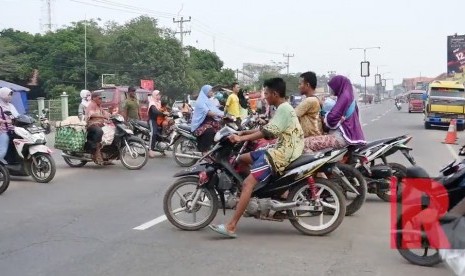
(109, 221)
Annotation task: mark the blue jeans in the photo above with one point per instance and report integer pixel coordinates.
(4, 140)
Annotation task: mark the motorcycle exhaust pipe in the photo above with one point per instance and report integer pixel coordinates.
(76, 157)
(279, 206)
(182, 155)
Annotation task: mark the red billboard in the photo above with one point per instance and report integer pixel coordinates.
(455, 54)
(147, 84)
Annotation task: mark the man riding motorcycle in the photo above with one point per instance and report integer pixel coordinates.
(95, 118)
(286, 127)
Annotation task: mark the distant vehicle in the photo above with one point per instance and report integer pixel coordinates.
(445, 101)
(114, 97)
(415, 101)
(295, 100)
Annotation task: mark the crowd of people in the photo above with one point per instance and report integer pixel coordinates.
(314, 125)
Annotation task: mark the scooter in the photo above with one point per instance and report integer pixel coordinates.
(27, 153)
(44, 122)
(399, 106)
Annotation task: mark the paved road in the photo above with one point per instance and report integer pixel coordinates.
(83, 223)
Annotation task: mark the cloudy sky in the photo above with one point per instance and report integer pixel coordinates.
(412, 34)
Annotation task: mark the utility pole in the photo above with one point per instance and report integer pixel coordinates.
(181, 30)
(367, 64)
(287, 63)
(85, 54)
(48, 15)
(237, 74)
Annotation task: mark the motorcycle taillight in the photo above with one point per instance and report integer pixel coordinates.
(203, 178)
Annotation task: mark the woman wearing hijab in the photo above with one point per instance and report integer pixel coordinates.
(342, 120)
(204, 124)
(244, 104)
(5, 120)
(85, 100)
(155, 111)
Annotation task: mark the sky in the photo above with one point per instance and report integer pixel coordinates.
(411, 34)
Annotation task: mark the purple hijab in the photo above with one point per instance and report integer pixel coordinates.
(350, 127)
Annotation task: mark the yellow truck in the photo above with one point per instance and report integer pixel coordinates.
(445, 100)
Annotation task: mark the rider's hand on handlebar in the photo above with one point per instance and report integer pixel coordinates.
(235, 138)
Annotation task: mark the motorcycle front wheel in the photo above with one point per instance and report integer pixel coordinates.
(188, 207)
(4, 179)
(187, 147)
(135, 156)
(42, 167)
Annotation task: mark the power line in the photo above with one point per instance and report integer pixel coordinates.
(181, 32)
(287, 63)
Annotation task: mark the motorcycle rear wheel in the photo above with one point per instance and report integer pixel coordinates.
(338, 212)
(4, 179)
(140, 145)
(358, 181)
(74, 163)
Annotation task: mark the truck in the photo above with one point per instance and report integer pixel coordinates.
(445, 100)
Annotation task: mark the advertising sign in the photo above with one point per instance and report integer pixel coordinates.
(455, 54)
(147, 84)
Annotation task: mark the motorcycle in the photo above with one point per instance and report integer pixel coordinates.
(124, 142)
(27, 153)
(398, 106)
(378, 175)
(165, 136)
(185, 152)
(452, 177)
(4, 177)
(44, 122)
(217, 173)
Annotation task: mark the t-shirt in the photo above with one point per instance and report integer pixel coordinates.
(290, 137)
(232, 105)
(308, 112)
(131, 107)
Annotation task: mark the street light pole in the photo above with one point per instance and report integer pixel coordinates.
(365, 60)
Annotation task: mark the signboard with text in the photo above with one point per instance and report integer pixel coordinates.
(455, 54)
(147, 84)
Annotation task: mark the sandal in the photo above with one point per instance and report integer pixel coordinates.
(221, 229)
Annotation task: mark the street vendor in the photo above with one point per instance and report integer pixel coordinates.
(95, 119)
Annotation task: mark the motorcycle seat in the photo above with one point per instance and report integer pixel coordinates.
(143, 124)
(185, 127)
(305, 159)
(373, 143)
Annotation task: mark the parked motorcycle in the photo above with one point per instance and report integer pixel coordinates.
(125, 147)
(378, 175)
(4, 177)
(452, 177)
(44, 122)
(27, 153)
(215, 174)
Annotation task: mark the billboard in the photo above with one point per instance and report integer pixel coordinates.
(455, 54)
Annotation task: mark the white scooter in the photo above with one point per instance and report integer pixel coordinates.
(398, 105)
(27, 153)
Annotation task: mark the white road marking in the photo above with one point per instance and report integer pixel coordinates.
(364, 125)
(151, 223)
(452, 151)
(376, 119)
